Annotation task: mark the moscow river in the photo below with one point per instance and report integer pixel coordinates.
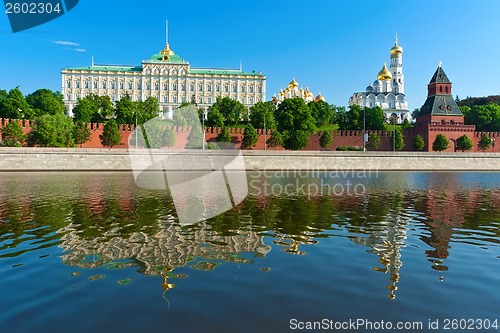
(93, 252)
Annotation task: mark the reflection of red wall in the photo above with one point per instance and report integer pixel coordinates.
(340, 138)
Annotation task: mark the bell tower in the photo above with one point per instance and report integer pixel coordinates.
(398, 81)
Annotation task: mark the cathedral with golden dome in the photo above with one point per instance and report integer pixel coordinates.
(388, 90)
(293, 91)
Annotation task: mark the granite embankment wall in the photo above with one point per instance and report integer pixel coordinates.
(340, 138)
(62, 159)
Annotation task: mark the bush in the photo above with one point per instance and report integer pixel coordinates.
(441, 143)
(12, 135)
(325, 140)
(464, 143)
(349, 148)
(418, 143)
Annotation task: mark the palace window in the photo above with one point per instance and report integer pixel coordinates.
(235, 88)
(226, 88)
(251, 89)
(68, 84)
(77, 96)
(174, 86)
(200, 87)
(104, 85)
(112, 85)
(251, 100)
(122, 85)
(209, 100)
(183, 87)
(191, 87)
(210, 87)
(217, 88)
(130, 85)
(77, 84)
(157, 86)
(139, 86)
(113, 98)
(242, 89)
(200, 100)
(165, 98)
(260, 89)
(165, 86)
(174, 99)
(68, 97)
(148, 86)
(95, 84)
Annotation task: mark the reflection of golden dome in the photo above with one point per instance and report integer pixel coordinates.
(293, 84)
(384, 74)
(319, 98)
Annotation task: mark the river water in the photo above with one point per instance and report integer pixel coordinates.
(93, 252)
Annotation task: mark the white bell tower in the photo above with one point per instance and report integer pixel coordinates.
(398, 81)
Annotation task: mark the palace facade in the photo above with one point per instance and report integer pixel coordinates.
(388, 90)
(168, 78)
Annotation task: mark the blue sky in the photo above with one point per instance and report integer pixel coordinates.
(335, 47)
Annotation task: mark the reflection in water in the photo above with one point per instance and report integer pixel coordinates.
(105, 220)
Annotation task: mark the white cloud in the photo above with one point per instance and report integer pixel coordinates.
(80, 50)
(63, 42)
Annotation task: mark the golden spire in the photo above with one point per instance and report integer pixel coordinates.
(166, 52)
(384, 74)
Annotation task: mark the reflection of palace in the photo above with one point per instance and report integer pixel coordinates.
(171, 247)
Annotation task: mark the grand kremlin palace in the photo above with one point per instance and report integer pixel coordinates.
(167, 77)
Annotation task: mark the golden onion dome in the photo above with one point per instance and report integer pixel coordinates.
(396, 50)
(293, 84)
(384, 74)
(319, 98)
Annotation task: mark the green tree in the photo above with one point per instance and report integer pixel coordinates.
(232, 111)
(374, 142)
(399, 140)
(146, 110)
(326, 139)
(464, 143)
(215, 118)
(340, 117)
(275, 140)
(321, 112)
(14, 106)
(418, 143)
(195, 138)
(81, 133)
(187, 115)
(12, 135)
(353, 118)
(52, 131)
(485, 117)
(224, 135)
(415, 113)
(249, 136)
(295, 122)
(440, 143)
(374, 119)
(85, 109)
(262, 113)
(45, 101)
(485, 143)
(406, 125)
(125, 111)
(156, 133)
(111, 134)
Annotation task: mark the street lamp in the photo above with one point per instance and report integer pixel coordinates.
(394, 135)
(135, 129)
(203, 128)
(364, 129)
(265, 114)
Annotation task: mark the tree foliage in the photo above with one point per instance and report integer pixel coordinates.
(249, 136)
(485, 117)
(187, 115)
(262, 113)
(14, 106)
(111, 134)
(418, 143)
(321, 112)
(52, 131)
(81, 133)
(464, 143)
(398, 136)
(440, 143)
(156, 134)
(374, 142)
(125, 111)
(215, 118)
(485, 143)
(232, 111)
(224, 135)
(45, 101)
(295, 122)
(12, 135)
(326, 139)
(276, 140)
(374, 119)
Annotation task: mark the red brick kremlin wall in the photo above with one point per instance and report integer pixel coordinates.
(340, 138)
